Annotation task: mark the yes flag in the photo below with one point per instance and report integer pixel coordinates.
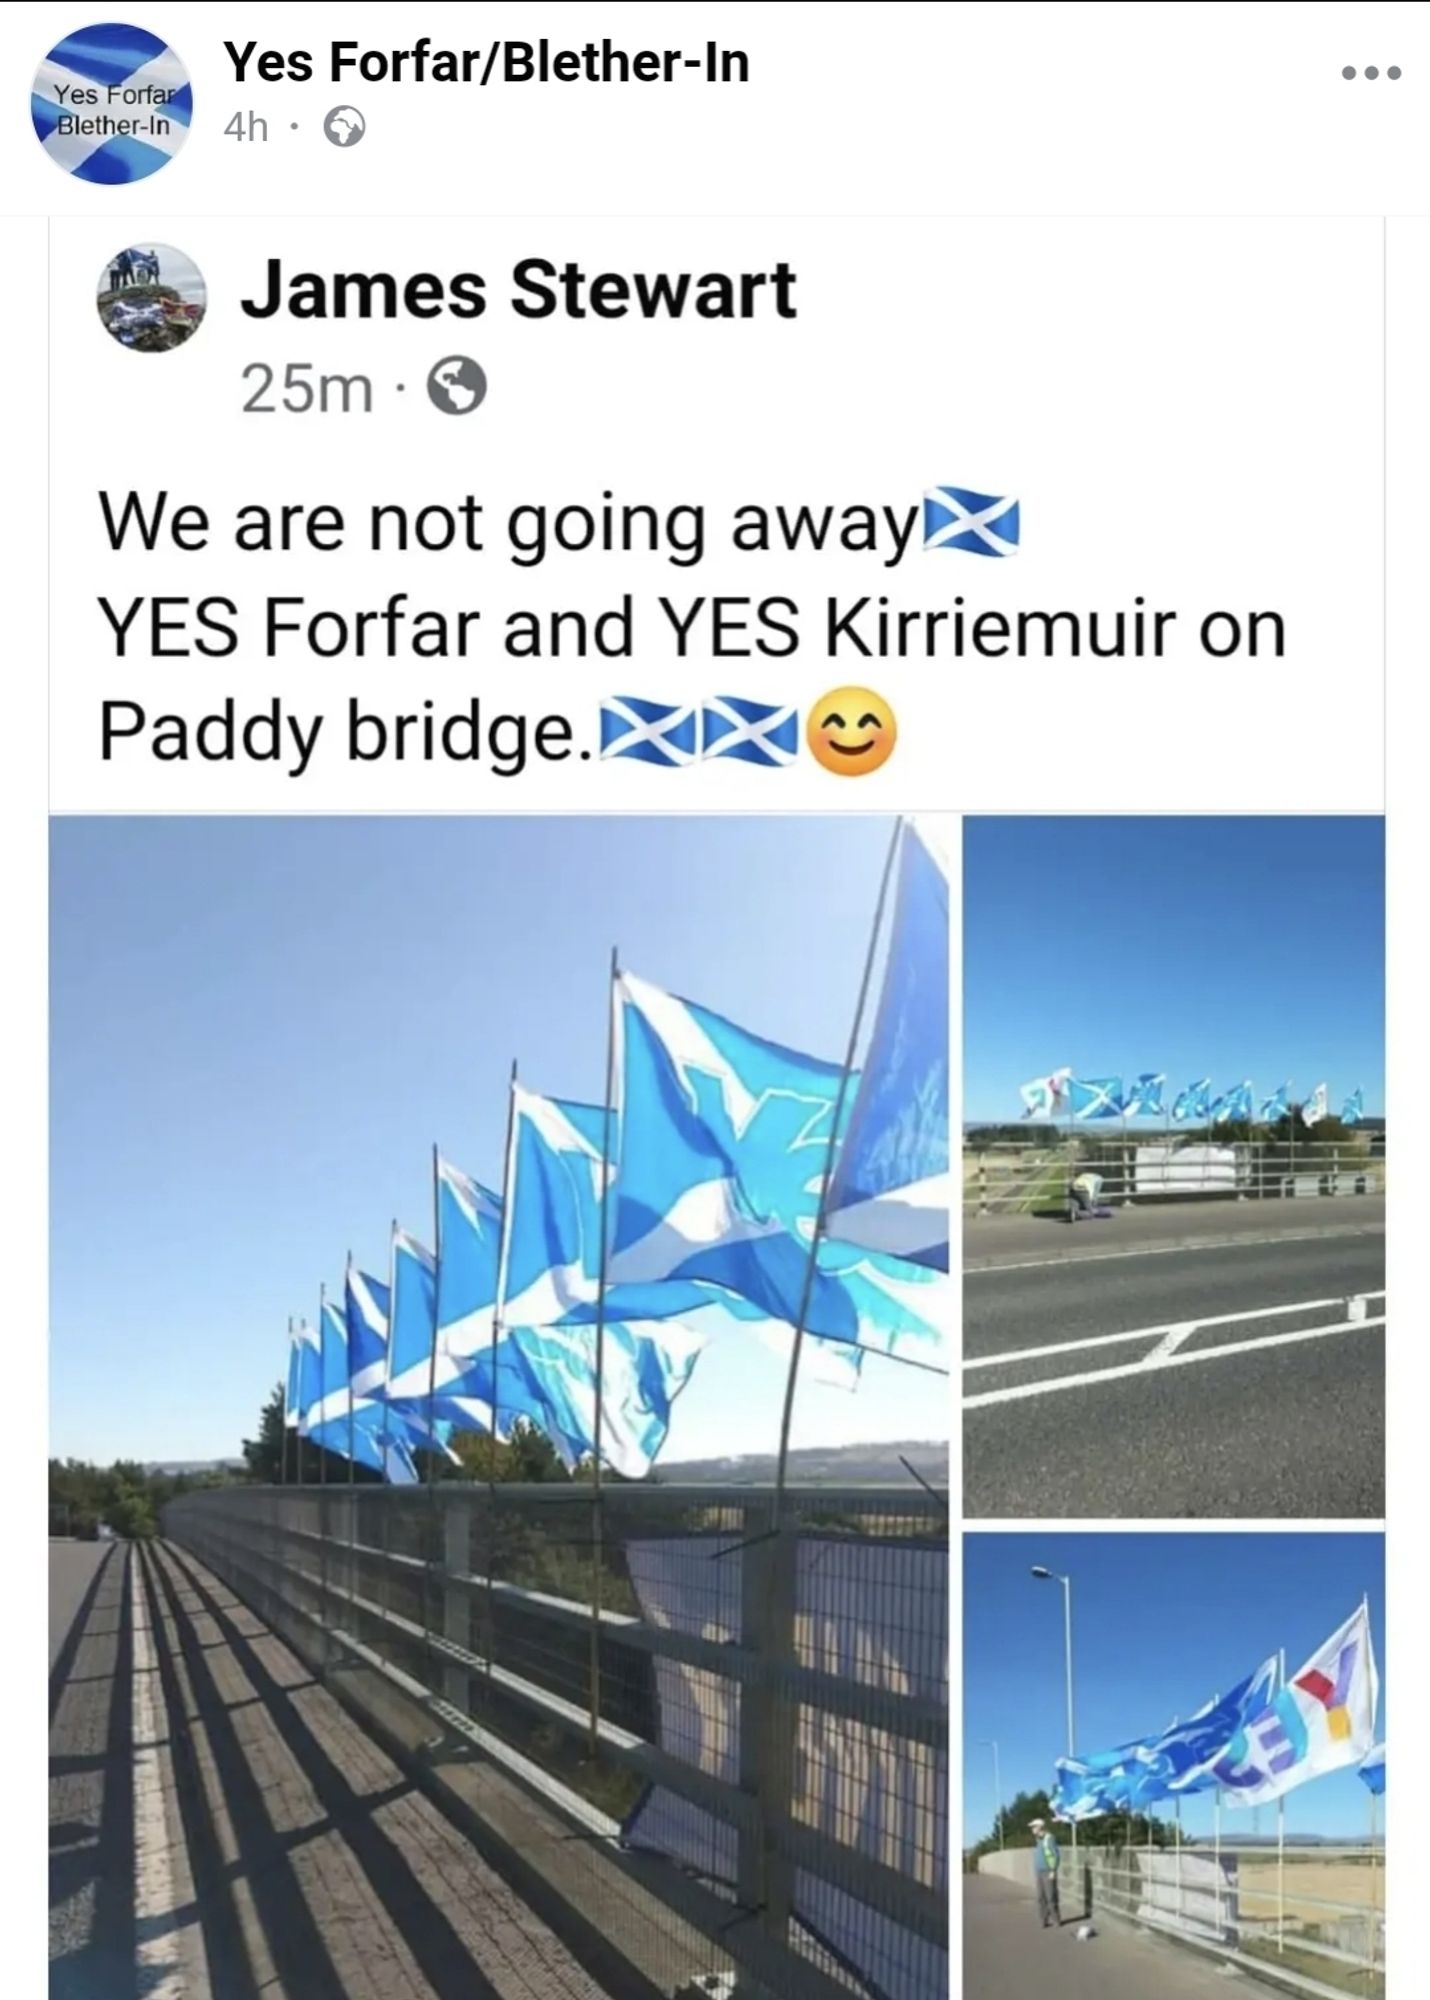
(723, 1144)
(1134, 1776)
(1372, 1770)
(1144, 1099)
(1322, 1719)
(891, 1188)
(1095, 1096)
(979, 524)
(1045, 1096)
(1193, 1104)
(1317, 1106)
(1353, 1110)
(1235, 1104)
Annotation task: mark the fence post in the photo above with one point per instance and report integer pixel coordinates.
(765, 1878)
(983, 1184)
(456, 1601)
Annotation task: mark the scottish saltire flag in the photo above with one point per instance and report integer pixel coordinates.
(1278, 1105)
(1322, 1719)
(413, 1319)
(1236, 1103)
(723, 1146)
(653, 732)
(1371, 1770)
(1317, 1106)
(305, 1376)
(136, 79)
(332, 1379)
(979, 524)
(755, 732)
(1194, 1104)
(385, 1447)
(1079, 1792)
(1353, 1110)
(1095, 1096)
(1045, 1096)
(891, 1188)
(469, 1226)
(365, 1303)
(643, 1369)
(1144, 1097)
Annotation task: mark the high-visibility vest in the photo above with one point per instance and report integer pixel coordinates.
(1050, 1853)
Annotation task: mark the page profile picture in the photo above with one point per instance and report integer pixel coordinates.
(111, 103)
(151, 297)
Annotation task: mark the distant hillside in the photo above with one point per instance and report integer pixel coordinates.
(833, 1465)
(175, 1465)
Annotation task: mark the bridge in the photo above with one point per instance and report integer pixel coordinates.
(524, 1742)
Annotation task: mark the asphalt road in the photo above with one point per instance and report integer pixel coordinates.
(1007, 1956)
(73, 1568)
(1290, 1429)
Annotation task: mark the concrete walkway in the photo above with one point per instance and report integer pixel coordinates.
(1008, 1956)
(997, 1242)
(222, 1829)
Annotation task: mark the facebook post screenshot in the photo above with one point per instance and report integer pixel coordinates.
(620, 617)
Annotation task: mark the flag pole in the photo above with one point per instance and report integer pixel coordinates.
(391, 1316)
(494, 1403)
(283, 1432)
(613, 996)
(830, 1152)
(322, 1377)
(352, 1422)
(503, 1257)
(1281, 1846)
(436, 1318)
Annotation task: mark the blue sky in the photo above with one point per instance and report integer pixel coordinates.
(1216, 946)
(259, 1026)
(1161, 1623)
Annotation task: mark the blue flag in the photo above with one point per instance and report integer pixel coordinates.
(304, 1375)
(1095, 1096)
(469, 1224)
(1194, 1104)
(1236, 1104)
(1278, 1105)
(1144, 1098)
(366, 1302)
(891, 1189)
(1353, 1110)
(724, 1141)
(1371, 1769)
(1131, 1777)
(385, 1448)
(414, 1319)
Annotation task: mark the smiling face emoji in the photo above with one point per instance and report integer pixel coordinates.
(851, 730)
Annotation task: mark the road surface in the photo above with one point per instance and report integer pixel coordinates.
(1007, 1956)
(74, 1566)
(221, 1828)
(1270, 1413)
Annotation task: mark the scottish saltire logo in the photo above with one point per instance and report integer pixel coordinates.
(978, 524)
(757, 732)
(111, 104)
(652, 732)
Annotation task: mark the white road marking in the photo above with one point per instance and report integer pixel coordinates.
(1159, 1333)
(1092, 1376)
(157, 1953)
(1173, 1250)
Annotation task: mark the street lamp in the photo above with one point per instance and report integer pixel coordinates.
(1045, 1575)
(991, 1743)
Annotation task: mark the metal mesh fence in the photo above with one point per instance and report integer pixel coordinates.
(745, 1701)
(1160, 1167)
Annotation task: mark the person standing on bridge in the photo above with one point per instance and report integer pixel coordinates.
(1046, 1856)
